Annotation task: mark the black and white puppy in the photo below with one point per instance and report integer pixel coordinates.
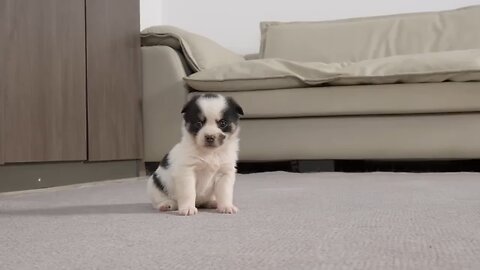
(200, 170)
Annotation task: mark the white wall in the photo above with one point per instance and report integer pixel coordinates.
(234, 23)
(150, 13)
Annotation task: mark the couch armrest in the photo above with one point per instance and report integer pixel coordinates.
(199, 51)
(164, 94)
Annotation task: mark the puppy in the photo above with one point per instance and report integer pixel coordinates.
(200, 170)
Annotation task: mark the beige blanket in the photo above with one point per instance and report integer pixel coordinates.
(261, 74)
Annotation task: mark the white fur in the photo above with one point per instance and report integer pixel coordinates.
(199, 176)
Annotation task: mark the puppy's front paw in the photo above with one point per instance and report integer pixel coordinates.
(188, 211)
(229, 209)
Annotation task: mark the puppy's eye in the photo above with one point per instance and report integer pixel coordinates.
(222, 123)
(198, 124)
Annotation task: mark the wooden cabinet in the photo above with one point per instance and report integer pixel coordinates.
(1, 126)
(113, 72)
(63, 64)
(3, 57)
(44, 80)
(2, 104)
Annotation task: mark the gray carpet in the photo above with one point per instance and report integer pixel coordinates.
(286, 221)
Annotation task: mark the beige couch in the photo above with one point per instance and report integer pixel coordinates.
(438, 120)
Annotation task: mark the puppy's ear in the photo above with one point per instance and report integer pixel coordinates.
(189, 103)
(184, 109)
(232, 103)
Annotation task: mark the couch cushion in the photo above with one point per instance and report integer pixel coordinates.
(428, 136)
(263, 74)
(372, 37)
(200, 52)
(360, 100)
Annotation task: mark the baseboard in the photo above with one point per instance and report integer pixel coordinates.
(34, 176)
(471, 165)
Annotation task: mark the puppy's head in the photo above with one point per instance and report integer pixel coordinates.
(211, 119)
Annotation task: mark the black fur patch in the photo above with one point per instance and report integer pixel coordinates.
(210, 95)
(158, 182)
(234, 105)
(189, 103)
(165, 163)
(231, 115)
(194, 119)
(228, 127)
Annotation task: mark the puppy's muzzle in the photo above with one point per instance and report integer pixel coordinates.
(210, 139)
(214, 140)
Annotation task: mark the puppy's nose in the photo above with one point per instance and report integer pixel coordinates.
(209, 138)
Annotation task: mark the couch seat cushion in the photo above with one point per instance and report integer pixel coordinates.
(265, 74)
(360, 100)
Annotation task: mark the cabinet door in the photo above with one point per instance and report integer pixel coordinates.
(3, 59)
(1, 121)
(43, 78)
(113, 80)
(2, 85)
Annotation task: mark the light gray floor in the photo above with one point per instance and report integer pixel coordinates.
(286, 221)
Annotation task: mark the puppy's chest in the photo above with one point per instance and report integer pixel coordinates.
(207, 171)
(210, 163)
(205, 181)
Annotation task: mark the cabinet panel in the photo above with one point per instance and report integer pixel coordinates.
(113, 80)
(43, 79)
(2, 85)
(3, 55)
(3, 35)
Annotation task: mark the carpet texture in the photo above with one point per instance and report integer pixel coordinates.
(286, 221)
